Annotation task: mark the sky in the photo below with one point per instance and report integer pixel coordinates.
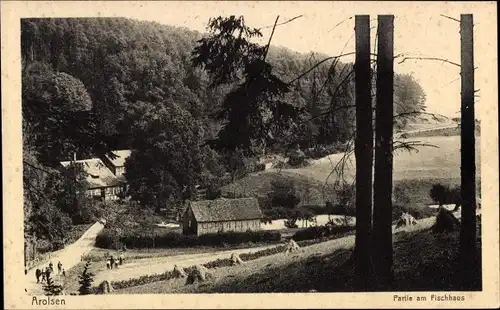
(328, 27)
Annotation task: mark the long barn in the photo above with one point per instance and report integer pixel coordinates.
(222, 215)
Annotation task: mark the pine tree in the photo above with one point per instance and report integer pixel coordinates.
(86, 279)
(52, 289)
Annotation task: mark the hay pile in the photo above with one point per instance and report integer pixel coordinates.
(104, 288)
(445, 222)
(292, 247)
(179, 272)
(406, 219)
(198, 274)
(235, 259)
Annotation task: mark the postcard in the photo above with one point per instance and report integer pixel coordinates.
(250, 154)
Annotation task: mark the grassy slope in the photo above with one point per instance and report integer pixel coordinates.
(423, 261)
(445, 132)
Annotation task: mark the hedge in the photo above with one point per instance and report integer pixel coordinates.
(318, 232)
(138, 239)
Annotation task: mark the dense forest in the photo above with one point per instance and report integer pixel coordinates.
(93, 85)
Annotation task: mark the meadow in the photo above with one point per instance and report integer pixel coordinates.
(439, 157)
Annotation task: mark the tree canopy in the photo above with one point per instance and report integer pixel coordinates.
(194, 107)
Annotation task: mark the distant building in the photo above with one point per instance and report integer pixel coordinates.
(222, 215)
(117, 165)
(102, 183)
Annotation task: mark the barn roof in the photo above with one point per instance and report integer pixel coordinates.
(220, 210)
(122, 155)
(98, 175)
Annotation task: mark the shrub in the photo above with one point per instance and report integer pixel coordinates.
(324, 150)
(315, 209)
(260, 167)
(262, 253)
(143, 280)
(162, 239)
(339, 209)
(297, 158)
(438, 193)
(318, 232)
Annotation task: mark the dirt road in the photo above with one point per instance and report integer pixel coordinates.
(160, 265)
(69, 257)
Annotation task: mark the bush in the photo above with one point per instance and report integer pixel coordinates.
(137, 239)
(442, 194)
(260, 167)
(339, 209)
(143, 280)
(262, 253)
(324, 150)
(318, 232)
(315, 209)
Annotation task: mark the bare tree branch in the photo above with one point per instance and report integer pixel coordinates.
(338, 24)
(319, 63)
(283, 23)
(428, 58)
(456, 79)
(457, 20)
(270, 37)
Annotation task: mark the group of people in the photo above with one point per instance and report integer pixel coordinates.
(114, 262)
(45, 274)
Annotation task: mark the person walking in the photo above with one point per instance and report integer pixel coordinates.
(64, 273)
(47, 273)
(38, 273)
(121, 259)
(43, 275)
(59, 267)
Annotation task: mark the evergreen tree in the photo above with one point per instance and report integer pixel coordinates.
(85, 280)
(53, 289)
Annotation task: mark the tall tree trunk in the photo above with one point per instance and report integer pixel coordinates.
(363, 152)
(382, 199)
(468, 255)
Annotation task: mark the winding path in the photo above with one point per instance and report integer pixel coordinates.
(68, 256)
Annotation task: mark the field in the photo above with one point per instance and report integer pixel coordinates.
(440, 158)
(439, 162)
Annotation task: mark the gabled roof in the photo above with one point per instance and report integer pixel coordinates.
(98, 174)
(220, 210)
(122, 155)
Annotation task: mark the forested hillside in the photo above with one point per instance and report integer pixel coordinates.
(127, 65)
(92, 85)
